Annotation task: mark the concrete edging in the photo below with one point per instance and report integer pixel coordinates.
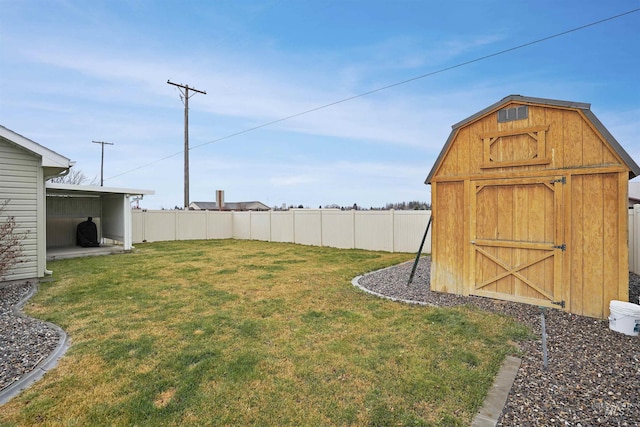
(45, 365)
(497, 396)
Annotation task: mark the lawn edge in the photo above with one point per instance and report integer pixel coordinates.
(41, 368)
(493, 405)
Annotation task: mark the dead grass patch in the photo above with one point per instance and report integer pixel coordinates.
(164, 398)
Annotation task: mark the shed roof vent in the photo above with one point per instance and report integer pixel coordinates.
(511, 114)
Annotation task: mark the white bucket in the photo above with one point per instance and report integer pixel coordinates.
(625, 317)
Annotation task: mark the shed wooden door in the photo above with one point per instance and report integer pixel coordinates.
(517, 239)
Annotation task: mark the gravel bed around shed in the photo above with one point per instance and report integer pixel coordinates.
(593, 373)
(24, 342)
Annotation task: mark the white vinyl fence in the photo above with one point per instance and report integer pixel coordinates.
(391, 230)
(634, 239)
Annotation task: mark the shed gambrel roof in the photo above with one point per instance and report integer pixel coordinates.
(634, 169)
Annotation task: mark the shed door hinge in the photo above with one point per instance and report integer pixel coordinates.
(560, 303)
(562, 247)
(562, 180)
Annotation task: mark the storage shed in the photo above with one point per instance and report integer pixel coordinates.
(529, 200)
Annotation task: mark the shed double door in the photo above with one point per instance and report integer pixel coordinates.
(517, 239)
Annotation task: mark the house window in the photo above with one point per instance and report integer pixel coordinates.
(511, 114)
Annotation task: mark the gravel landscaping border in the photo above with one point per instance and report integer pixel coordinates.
(593, 373)
(29, 347)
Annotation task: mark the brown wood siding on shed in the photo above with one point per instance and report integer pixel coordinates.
(596, 235)
(449, 197)
(533, 210)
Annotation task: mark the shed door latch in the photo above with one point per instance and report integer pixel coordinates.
(560, 303)
(562, 247)
(562, 180)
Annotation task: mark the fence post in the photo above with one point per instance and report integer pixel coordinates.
(293, 224)
(392, 212)
(353, 226)
(636, 239)
(176, 223)
(321, 230)
(206, 224)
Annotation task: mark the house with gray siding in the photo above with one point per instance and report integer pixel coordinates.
(24, 167)
(47, 214)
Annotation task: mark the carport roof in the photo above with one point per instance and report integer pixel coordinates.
(92, 190)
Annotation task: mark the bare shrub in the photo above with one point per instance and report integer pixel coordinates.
(10, 241)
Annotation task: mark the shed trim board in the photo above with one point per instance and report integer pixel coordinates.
(532, 208)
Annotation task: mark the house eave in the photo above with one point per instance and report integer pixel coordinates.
(49, 158)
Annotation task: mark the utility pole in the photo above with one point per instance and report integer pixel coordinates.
(102, 159)
(184, 91)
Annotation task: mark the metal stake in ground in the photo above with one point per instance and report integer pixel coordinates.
(415, 264)
(544, 338)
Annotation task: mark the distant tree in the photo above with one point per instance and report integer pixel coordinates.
(413, 205)
(10, 242)
(75, 176)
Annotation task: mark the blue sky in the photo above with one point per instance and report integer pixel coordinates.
(72, 72)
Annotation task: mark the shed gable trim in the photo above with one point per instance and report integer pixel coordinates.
(613, 142)
(585, 108)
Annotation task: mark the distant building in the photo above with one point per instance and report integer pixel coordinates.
(634, 193)
(229, 206)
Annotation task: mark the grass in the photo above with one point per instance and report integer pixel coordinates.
(253, 333)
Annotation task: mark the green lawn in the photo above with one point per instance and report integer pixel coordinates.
(244, 333)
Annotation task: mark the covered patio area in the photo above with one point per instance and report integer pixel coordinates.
(68, 205)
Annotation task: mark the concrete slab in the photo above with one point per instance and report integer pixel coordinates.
(77, 251)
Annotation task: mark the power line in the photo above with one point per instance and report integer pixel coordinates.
(432, 73)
